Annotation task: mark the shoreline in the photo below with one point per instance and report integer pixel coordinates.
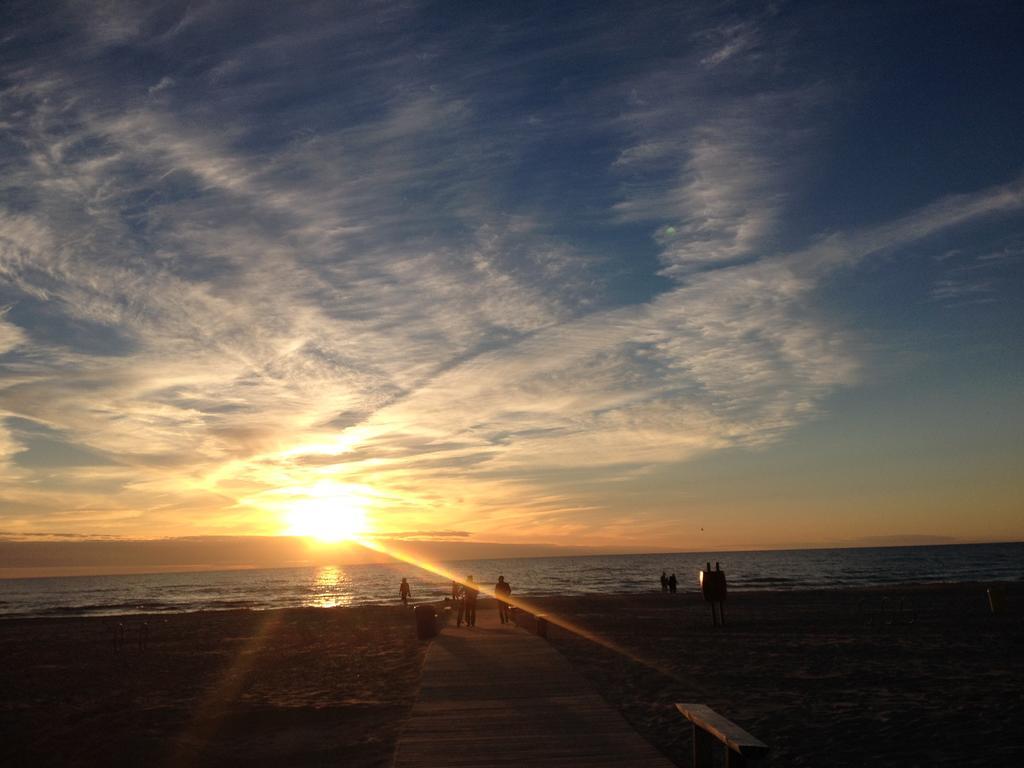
(72, 613)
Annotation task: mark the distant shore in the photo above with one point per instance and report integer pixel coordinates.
(826, 677)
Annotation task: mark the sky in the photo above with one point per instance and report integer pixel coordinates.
(624, 276)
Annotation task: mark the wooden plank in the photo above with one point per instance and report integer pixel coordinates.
(723, 729)
(497, 695)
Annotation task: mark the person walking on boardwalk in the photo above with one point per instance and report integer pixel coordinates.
(404, 591)
(459, 598)
(673, 582)
(501, 591)
(471, 593)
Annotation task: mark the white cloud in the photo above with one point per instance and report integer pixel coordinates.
(163, 85)
(729, 41)
(222, 313)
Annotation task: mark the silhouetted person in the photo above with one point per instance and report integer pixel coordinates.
(672, 583)
(664, 582)
(459, 598)
(501, 591)
(404, 591)
(471, 592)
(712, 584)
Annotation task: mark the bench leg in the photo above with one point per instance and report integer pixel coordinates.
(702, 745)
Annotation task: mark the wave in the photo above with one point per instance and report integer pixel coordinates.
(768, 580)
(233, 604)
(133, 606)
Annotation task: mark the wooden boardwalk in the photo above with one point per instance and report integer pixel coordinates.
(498, 696)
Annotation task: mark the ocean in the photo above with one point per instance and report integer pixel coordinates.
(329, 586)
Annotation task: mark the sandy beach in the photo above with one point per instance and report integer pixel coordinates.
(839, 678)
(310, 687)
(826, 678)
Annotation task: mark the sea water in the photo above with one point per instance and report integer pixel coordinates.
(329, 586)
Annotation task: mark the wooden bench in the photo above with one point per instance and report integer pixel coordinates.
(740, 745)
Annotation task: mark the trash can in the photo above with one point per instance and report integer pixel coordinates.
(426, 622)
(996, 598)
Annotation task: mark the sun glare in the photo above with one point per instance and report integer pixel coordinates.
(326, 518)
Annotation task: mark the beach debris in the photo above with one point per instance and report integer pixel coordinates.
(996, 598)
(121, 636)
(889, 612)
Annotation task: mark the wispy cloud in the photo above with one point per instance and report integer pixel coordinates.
(309, 253)
(974, 278)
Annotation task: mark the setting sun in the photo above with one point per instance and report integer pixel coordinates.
(333, 518)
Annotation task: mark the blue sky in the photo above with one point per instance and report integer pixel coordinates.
(685, 275)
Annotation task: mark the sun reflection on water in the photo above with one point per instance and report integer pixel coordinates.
(331, 587)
